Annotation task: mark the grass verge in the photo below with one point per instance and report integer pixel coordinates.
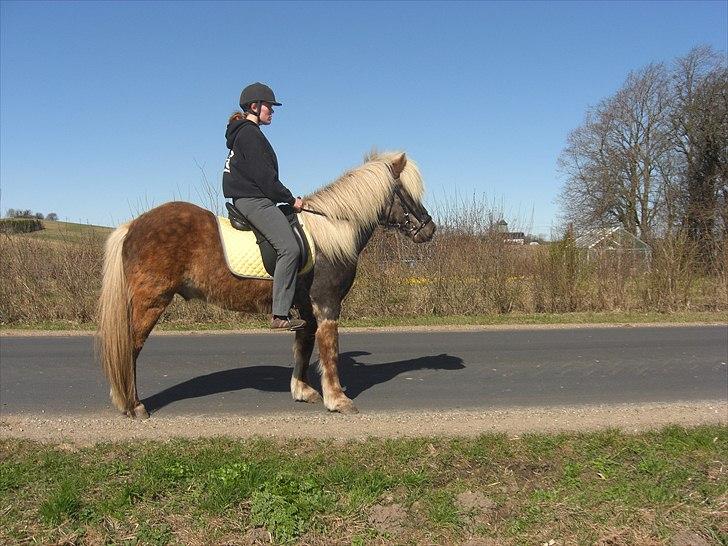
(255, 323)
(605, 487)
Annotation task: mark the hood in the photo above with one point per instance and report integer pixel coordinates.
(232, 131)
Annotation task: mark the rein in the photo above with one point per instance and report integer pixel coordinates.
(409, 210)
(314, 212)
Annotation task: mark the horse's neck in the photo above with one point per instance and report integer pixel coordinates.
(365, 235)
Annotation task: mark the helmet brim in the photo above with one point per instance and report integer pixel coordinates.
(254, 101)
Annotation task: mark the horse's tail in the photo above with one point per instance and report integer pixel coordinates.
(114, 338)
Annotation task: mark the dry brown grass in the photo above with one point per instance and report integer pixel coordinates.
(43, 280)
(466, 270)
(469, 274)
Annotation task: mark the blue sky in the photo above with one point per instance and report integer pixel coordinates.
(110, 108)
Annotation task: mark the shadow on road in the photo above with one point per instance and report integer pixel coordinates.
(355, 376)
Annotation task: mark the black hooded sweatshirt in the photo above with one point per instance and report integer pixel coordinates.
(251, 169)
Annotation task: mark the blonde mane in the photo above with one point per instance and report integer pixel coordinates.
(354, 201)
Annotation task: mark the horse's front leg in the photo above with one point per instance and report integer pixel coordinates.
(302, 349)
(327, 336)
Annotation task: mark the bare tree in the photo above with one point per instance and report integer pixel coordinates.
(700, 140)
(24, 213)
(617, 160)
(52, 216)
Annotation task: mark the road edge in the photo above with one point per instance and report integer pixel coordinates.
(380, 329)
(88, 429)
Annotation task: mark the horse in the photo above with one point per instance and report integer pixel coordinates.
(175, 249)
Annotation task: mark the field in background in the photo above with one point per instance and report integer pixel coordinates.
(68, 232)
(605, 488)
(466, 273)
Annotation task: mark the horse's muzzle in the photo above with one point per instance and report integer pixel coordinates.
(425, 232)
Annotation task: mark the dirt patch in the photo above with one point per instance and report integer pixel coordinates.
(688, 538)
(387, 519)
(612, 539)
(256, 536)
(626, 537)
(482, 542)
(475, 506)
(469, 502)
(85, 429)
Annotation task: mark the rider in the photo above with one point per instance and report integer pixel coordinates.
(250, 178)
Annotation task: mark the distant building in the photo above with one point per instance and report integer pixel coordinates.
(510, 237)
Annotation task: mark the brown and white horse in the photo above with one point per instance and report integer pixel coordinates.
(175, 249)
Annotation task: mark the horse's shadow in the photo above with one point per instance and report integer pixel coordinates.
(356, 376)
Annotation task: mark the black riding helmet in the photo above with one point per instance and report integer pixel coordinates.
(256, 93)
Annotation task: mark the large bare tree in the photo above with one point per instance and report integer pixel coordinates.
(617, 163)
(700, 140)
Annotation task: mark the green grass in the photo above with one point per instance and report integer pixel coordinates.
(261, 323)
(62, 504)
(574, 488)
(615, 317)
(68, 232)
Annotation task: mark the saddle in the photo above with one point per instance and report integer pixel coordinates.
(249, 254)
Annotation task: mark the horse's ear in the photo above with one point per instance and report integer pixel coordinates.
(398, 165)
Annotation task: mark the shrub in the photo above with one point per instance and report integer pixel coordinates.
(20, 225)
(464, 270)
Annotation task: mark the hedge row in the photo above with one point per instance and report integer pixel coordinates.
(20, 225)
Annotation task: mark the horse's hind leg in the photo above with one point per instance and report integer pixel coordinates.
(145, 314)
(302, 349)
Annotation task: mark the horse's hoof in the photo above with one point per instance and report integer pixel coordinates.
(309, 398)
(313, 398)
(304, 393)
(345, 407)
(348, 409)
(139, 412)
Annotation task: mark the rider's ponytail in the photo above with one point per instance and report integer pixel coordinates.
(236, 116)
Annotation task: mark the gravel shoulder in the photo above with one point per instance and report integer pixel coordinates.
(87, 430)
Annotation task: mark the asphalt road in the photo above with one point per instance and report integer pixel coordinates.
(433, 370)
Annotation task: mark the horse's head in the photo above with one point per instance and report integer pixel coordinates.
(404, 212)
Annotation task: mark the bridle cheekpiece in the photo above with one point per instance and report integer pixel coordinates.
(409, 211)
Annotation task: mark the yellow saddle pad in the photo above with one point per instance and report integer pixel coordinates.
(243, 255)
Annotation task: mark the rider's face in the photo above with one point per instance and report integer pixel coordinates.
(266, 114)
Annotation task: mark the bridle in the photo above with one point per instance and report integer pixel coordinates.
(409, 211)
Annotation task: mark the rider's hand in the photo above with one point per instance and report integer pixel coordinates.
(298, 205)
